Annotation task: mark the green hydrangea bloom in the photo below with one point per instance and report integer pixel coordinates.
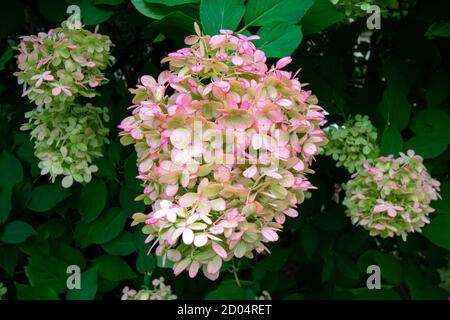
(3, 291)
(445, 277)
(160, 291)
(57, 66)
(352, 143)
(67, 139)
(391, 196)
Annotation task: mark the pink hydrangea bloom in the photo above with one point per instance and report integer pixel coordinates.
(224, 143)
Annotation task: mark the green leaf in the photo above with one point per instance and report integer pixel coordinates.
(309, 237)
(108, 226)
(439, 29)
(11, 169)
(390, 267)
(172, 2)
(159, 11)
(432, 134)
(17, 232)
(8, 259)
(263, 12)
(442, 206)
(437, 90)
(5, 204)
(127, 202)
(391, 141)
(91, 14)
(6, 56)
(92, 200)
(227, 290)
(121, 246)
(88, 288)
(394, 107)
(24, 292)
(46, 197)
(47, 271)
(279, 39)
(220, 14)
(320, 16)
(427, 146)
(327, 269)
(438, 231)
(145, 262)
(347, 267)
(113, 268)
(71, 256)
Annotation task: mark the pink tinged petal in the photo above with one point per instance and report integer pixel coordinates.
(250, 172)
(391, 212)
(47, 76)
(67, 91)
(188, 199)
(200, 240)
(309, 148)
(206, 219)
(283, 62)
(165, 204)
(204, 207)
(171, 216)
(379, 227)
(174, 255)
(181, 266)
(192, 218)
(218, 204)
(219, 250)
(193, 269)
(284, 102)
(274, 175)
(171, 190)
(300, 166)
(237, 61)
(177, 233)
(379, 208)
(188, 236)
(269, 234)
(291, 213)
(148, 239)
(214, 265)
(216, 229)
(56, 91)
(210, 276)
(148, 81)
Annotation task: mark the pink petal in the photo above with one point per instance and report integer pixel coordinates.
(188, 236)
(250, 172)
(193, 269)
(269, 234)
(219, 250)
(283, 62)
(291, 213)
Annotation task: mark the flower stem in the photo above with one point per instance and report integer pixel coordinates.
(235, 275)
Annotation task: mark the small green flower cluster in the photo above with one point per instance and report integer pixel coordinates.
(58, 66)
(391, 196)
(445, 277)
(3, 291)
(55, 69)
(159, 292)
(67, 139)
(359, 8)
(352, 143)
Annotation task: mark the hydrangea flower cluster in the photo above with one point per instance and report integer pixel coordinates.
(67, 139)
(391, 196)
(3, 291)
(224, 143)
(444, 274)
(55, 69)
(159, 292)
(352, 143)
(57, 66)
